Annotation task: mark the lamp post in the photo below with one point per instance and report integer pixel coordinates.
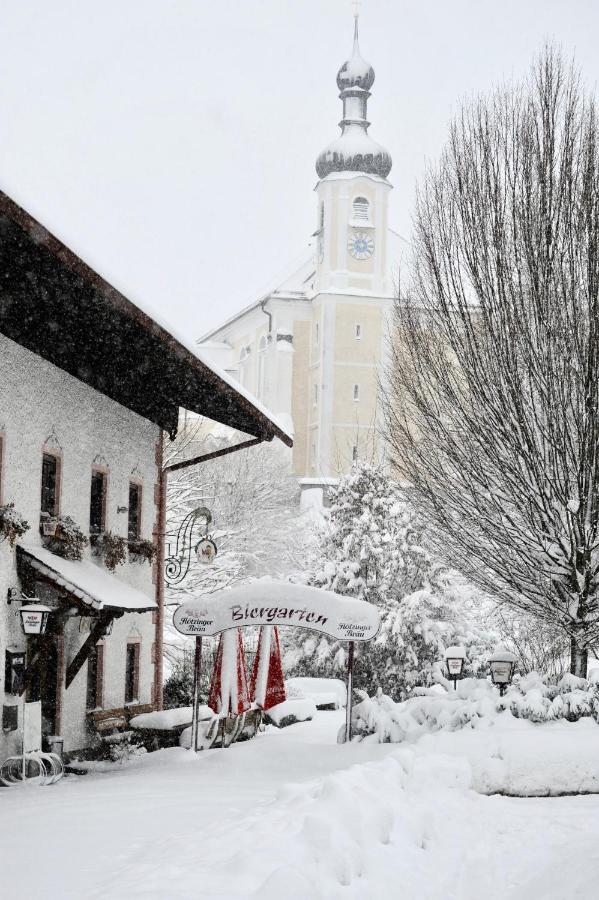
(502, 664)
(455, 658)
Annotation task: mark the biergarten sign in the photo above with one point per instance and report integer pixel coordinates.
(282, 604)
(275, 603)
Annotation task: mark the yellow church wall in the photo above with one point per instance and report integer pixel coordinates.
(348, 348)
(348, 411)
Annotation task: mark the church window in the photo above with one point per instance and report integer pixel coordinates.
(262, 366)
(316, 334)
(356, 392)
(354, 453)
(358, 331)
(315, 394)
(321, 222)
(361, 209)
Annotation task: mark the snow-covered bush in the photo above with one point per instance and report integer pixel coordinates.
(380, 719)
(12, 524)
(372, 548)
(142, 550)
(111, 548)
(68, 541)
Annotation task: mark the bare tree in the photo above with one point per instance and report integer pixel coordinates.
(491, 407)
(254, 501)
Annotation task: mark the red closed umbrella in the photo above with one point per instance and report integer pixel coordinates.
(268, 682)
(229, 690)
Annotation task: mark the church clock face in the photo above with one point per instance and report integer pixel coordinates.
(360, 245)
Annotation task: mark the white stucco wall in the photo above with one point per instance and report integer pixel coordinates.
(40, 405)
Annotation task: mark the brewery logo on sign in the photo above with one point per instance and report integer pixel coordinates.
(206, 550)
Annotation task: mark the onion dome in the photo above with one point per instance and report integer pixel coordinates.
(354, 150)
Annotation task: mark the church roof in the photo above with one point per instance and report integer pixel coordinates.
(297, 285)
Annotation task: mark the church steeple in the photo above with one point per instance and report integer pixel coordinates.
(354, 150)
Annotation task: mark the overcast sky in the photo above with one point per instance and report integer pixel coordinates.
(171, 143)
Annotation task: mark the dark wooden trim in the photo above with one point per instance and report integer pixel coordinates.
(159, 537)
(82, 654)
(214, 455)
(59, 680)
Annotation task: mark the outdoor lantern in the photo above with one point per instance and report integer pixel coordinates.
(34, 618)
(455, 657)
(502, 665)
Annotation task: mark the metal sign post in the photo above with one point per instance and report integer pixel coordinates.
(348, 705)
(197, 671)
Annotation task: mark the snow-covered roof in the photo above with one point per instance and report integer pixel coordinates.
(86, 581)
(296, 285)
(299, 283)
(58, 307)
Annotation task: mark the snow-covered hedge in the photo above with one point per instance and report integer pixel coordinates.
(380, 719)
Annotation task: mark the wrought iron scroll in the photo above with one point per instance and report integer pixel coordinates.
(177, 564)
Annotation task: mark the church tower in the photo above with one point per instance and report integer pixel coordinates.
(353, 193)
(353, 289)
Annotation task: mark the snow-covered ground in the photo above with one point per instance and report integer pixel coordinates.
(292, 815)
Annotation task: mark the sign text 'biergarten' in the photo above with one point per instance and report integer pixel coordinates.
(281, 604)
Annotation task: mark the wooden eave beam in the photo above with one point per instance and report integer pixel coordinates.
(97, 632)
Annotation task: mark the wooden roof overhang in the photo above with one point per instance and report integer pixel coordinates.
(53, 304)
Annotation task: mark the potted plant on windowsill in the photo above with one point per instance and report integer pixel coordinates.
(12, 524)
(67, 540)
(142, 550)
(48, 525)
(111, 548)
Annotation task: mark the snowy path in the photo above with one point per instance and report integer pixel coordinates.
(292, 815)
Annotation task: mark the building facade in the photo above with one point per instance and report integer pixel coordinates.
(59, 436)
(90, 389)
(313, 349)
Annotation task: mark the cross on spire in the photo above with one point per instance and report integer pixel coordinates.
(356, 8)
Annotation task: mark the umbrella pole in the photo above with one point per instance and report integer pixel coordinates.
(348, 705)
(197, 669)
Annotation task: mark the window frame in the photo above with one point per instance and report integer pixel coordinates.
(132, 676)
(138, 484)
(103, 471)
(98, 678)
(56, 455)
(361, 212)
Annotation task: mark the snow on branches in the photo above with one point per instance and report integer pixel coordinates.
(371, 548)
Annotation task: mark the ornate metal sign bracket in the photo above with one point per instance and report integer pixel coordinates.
(177, 563)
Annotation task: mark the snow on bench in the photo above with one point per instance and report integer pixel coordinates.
(326, 693)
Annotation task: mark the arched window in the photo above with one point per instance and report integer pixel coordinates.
(361, 209)
(321, 222)
(261, 365)
(243, 355)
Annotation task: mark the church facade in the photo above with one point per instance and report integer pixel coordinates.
(313, 349)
